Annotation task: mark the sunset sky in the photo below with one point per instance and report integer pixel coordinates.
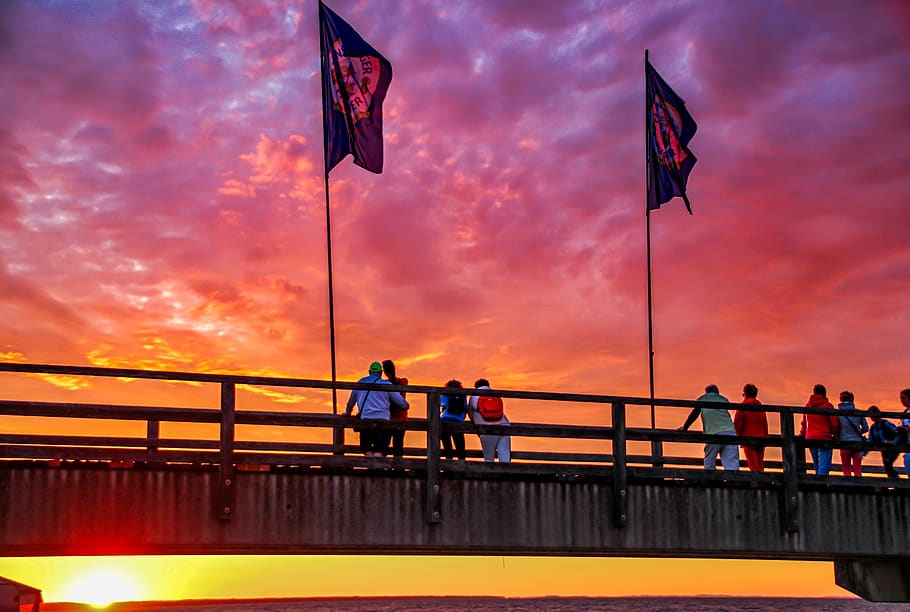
(162, 206)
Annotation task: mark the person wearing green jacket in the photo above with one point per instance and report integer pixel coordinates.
(715, 421)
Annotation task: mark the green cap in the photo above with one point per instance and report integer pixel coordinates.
(376, 367)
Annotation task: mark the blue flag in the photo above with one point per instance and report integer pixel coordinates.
(670, 128)
(355, 79)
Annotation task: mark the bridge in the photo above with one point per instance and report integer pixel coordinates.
(232, 480)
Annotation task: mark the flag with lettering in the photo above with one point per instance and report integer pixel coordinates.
(670, 128)
(355, 79)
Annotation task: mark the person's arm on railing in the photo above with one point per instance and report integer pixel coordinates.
(351, 401)
(690, 419)
(398, 399)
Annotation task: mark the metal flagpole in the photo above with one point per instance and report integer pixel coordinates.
(656, 445)
(337, 432)
(328, 223)
(648, 224)
(328, 233)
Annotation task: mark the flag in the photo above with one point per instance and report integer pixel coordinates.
(670, 128)
(355, 79)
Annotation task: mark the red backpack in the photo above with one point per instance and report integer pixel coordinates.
(490, 408)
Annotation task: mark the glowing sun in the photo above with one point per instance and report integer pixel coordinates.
(101, 587)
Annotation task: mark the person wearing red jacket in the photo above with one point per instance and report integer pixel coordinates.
(752, 423)
(396, 413)
(820, 427)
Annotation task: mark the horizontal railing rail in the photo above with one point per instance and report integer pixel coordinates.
(615, 461)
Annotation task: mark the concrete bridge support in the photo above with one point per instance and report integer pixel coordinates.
(875, 580)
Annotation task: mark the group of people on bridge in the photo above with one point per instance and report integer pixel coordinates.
(748, 422)
(455, 408)
(848, 427)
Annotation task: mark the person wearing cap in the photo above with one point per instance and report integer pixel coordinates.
(374, 405)
(717, 422)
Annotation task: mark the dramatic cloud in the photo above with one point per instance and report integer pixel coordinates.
(162, 199)
(162, 206)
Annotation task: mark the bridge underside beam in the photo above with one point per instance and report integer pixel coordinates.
(875, 580)
(97, 510)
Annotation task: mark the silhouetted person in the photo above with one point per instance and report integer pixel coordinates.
(488, 410)
(884, 432)
(374, 405)
(396, 413)
(820, 427)
(752, 423)
(715, 421)
(454, 408)
(852, 428)
(904, 429)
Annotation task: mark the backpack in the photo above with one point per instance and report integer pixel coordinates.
(456, 405)
(490, 408)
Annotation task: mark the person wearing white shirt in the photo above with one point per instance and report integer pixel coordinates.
(493, 445)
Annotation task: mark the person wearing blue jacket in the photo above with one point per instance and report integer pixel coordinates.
(454, 408)
(885, 433)
(375, 405)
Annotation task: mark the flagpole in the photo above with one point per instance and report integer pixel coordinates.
(369, 82)
(328, 230)
(648, 226)
(328, 234)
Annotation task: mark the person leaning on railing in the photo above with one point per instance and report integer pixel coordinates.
(752, 423)
(884, 432)
(374, 405)
(452, 410)
(488, 410)
(715, 421)
(820, 427)
(904, 429)
(396, 413)
(852, 428)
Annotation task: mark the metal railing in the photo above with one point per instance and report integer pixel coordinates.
(228, 454)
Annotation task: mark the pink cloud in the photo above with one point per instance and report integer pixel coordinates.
(171, 156)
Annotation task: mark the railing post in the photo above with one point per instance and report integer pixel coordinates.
(620, 492)
(434, 507)
(337, 432)
(791, 471)
(657, 453)
(226, 469)
(338, 440)
(152, 437)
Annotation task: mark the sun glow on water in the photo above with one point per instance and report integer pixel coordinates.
(101, 587)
